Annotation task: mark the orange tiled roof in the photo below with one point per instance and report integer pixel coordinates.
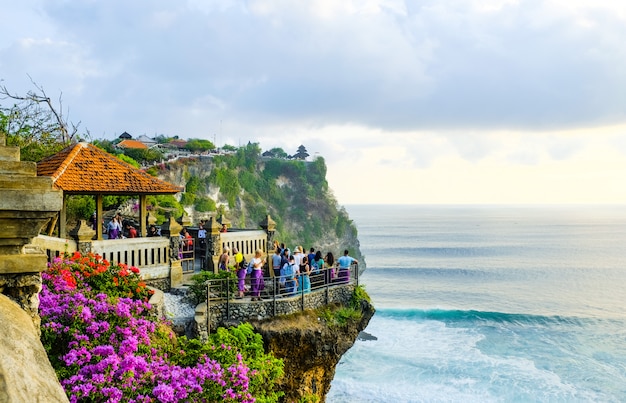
(84, 168)
(131, 144)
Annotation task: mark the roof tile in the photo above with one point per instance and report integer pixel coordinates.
(84, 168)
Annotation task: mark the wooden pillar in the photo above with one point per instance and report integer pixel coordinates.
(143, 217)
(63, 218)
(99, 199)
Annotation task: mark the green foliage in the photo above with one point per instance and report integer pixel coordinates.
(188, 199)
(193, 184)
(143, 155)
(278, 152)
(162, 204)
(199, 145)
(33, 128)
(228, 183)
(227, 286)
(339, 317)
(79, 207)
(154, 171)
(228, 147)
(105, 145)
(112, 202)
(204, 204)
(128, 160)
(359, 294)
(266, 369)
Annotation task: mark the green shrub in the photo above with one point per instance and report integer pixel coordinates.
(227, 287)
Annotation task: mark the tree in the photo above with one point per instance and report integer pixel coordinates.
(279, 152)
(199, 145)
(35, 124)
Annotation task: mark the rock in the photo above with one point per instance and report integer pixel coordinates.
(310, 349)
(26, 374)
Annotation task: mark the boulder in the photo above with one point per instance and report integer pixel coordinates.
(26, 374)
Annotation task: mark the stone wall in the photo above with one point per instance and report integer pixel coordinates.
(224, 313)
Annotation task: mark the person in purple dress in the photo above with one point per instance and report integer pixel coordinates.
(256, 277)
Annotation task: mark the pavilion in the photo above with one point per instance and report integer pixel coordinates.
(84, 169)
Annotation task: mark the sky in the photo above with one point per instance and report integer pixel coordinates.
(408, 102)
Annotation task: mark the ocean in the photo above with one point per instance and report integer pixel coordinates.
(490, 304)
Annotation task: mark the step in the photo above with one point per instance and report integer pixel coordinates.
(26, 168)
(18, 182)
(9, 153)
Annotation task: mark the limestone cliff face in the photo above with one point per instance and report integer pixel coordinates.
(26, 375)
(310, 349)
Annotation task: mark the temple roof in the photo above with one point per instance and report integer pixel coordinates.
(85, 169)
(132, 144)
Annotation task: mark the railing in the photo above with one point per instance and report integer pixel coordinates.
(275, 291)
(54, 247)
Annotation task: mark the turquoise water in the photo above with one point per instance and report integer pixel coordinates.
(490, 304)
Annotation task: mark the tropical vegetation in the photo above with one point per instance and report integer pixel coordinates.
(106, 345)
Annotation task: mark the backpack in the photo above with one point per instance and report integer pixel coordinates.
(243, 264)
(287, 272)
(250, 267)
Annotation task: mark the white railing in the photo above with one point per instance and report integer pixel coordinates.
(150, 255)
(246, 241)
(54, 247)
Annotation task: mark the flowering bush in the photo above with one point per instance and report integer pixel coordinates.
(105, 347)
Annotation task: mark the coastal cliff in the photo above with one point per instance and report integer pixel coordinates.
(245, 187)
(311, 346)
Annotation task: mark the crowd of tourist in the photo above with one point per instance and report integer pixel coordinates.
(297, 271)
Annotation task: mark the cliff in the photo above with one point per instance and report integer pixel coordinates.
(311, 348)
(245, 187)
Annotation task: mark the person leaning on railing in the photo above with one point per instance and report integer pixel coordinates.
(344, 263)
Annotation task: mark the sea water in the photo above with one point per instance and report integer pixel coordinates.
(490, 304)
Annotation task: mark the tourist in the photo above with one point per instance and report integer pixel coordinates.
(132, 232)
(304, 284)
(224, 228)
(241, 272)
(256, 278)
(276, 262)
(201, 235)
(238, 258)
(311, 256)
(224, 259)
(186, 239)
(298, 255)
(153, 231)
(287, 273)
(114, 229)
(329, 261)
(285, 257)
(317, 268)
(344, 263)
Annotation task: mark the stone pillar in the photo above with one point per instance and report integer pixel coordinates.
(83, 235)
(269, 226)
(214, 244)
(27, 203)
(171, 229)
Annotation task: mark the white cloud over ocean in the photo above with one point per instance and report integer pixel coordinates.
(452, 97)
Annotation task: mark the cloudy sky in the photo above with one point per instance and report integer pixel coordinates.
(425, 101)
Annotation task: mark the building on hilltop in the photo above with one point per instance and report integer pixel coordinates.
(149, 142)
(124, 144)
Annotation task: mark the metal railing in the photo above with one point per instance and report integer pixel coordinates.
(273, 290)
